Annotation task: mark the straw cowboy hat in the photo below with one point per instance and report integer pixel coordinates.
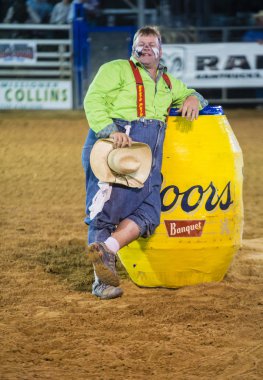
(129, 166)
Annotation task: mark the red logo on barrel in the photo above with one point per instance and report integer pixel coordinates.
(184, 228)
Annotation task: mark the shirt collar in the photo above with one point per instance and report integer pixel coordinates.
(160, 67)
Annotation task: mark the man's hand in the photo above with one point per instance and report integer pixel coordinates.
(120, 140)
(190, 108)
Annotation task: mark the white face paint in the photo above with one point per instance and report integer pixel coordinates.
(156, 52)
(138, 51)
(147, 50)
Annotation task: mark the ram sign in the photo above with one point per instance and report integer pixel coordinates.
(216, 65)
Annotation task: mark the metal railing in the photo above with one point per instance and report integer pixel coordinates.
(59, 57)
(206, 34)
(53, 50)
(36, 67)
(149, 14)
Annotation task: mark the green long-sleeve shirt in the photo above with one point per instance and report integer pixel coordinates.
(112, 94)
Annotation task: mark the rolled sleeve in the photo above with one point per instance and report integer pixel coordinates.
(105, 132)
(203, 102)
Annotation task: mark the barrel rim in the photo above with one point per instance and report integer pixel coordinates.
(208, 110)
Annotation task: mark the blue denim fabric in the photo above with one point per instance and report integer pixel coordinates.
(143, 206)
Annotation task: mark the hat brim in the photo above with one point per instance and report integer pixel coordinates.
(99, 163)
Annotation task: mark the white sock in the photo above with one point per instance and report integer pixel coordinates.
(112, 244)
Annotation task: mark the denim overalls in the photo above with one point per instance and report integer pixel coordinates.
(143, 206)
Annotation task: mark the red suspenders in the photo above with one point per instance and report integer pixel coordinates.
(167, 80)
(140, 88)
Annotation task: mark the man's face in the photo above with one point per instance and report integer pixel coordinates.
(149, 50)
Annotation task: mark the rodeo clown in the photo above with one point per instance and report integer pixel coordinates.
(126, 107)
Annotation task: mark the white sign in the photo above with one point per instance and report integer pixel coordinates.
(216, 65)
(22, 52)
(35, 94)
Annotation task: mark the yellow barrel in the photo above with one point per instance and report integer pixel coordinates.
(202, 208)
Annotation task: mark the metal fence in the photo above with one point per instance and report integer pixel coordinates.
(75, 52)
(35, 55)
(53, 52)
(105, 44)
(204, 34)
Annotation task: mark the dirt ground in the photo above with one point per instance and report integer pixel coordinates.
(49, 331)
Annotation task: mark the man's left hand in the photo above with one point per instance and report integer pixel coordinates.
(190, 108)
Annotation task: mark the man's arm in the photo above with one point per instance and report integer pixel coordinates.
(97, 101)
(188, 100)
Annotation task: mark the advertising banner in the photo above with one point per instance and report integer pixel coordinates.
(216, 65)
(35, 94)
(22, 52)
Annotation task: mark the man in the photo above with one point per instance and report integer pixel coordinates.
(91, 10)
(60, 12)
(115, 109)
(21, 12)
(255, 35)
(42, 8)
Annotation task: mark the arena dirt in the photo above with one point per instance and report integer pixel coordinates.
(49, 331)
